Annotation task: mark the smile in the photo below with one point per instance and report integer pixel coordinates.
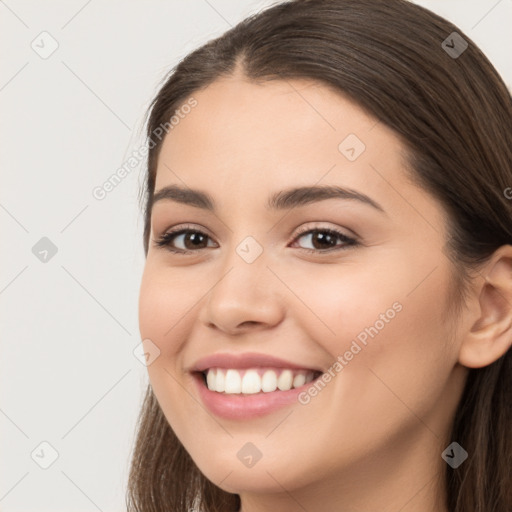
(256, 380)
(248, 385)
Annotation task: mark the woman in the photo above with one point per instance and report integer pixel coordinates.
(327, 294)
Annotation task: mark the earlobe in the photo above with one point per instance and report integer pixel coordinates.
(490, 335)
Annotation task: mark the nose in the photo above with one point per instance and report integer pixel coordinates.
(244, 296)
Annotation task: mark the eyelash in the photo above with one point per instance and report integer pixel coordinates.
(166, 239)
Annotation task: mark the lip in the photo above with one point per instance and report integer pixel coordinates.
(246, 360)
(246, 407)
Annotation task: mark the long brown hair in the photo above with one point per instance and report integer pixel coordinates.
(454, 115)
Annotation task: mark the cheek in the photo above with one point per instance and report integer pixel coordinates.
(343, 304)
(163, 306)
(393, 371)
(405, 365)
(382, 321)
(162, 319)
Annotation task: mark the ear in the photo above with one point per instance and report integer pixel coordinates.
(490, 335)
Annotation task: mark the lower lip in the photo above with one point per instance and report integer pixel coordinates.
(242, 407)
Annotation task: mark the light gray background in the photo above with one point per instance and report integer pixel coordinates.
(68, 375)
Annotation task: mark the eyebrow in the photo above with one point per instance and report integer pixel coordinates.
(283, 200)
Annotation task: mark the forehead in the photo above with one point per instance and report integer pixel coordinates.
(248, 139)
(236, 115)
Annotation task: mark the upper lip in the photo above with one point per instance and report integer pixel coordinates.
(245, 360)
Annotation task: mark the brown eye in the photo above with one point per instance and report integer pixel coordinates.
(189, 240)
(324, 240)
(193, 240)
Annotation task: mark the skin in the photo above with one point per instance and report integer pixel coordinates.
(372, 438)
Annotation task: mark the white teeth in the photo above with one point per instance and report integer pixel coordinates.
(299, 380)
(220, 381)
(233, 383)
(285, 380)
(211, 378)
(251, 381)
(269, 381)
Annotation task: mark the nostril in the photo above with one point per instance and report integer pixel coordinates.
(248, 323)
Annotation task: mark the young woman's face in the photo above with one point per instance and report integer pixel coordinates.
(279, 281)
